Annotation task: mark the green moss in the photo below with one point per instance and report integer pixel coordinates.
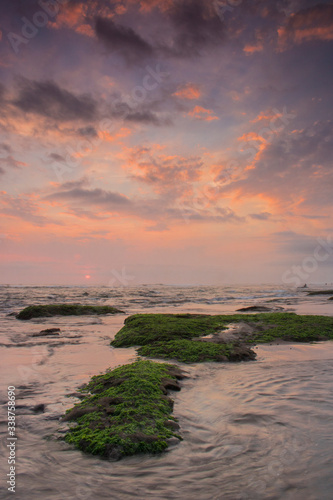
(187, 351)
(293, 327)
(126, 411)
(170, 335)
(142, 329)
(64, 310)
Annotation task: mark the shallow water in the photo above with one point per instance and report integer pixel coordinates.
(256, 430)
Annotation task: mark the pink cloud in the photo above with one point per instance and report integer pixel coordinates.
(200, 113)
(188, 91)
(315, 23)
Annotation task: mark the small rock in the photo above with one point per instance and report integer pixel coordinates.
(260, 309)
(242, 353)
(77, 412)
(38, 408)
(172, 425)
(170, 385)
(78, 395)
(113, 452)
(48, 331)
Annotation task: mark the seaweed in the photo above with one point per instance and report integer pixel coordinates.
(126, 411)
(175, 336)
(48, 310)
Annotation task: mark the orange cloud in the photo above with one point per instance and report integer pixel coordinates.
(164, 173)
(107, 136)
(70, 16)
(251, 49)
(264, 115)
(315, 23)
(188, 91)
(237, 96)
(85, 29)
(254, 144)
(74, 16)
(323, 33)
(204, 114)
(120, 9)
(251, 136)
(148, 5)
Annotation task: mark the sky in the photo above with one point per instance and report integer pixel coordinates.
(166, 141)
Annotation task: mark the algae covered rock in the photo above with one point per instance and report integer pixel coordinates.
(196, 351)
(200, 337)
(45, 311)
(126, 411)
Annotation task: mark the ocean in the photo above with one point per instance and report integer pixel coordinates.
(253, 430)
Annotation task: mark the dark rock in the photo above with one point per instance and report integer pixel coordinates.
(78, 412)
(172, 425)
(76, 395)
(107, 401)
(111, 382)
(38, 408)
(260, 309)
(170, 385)
(48, 331)
(242, 353)
(113, 452)
(139, 437)
(177, 372)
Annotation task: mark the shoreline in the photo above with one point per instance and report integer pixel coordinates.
(226, 411)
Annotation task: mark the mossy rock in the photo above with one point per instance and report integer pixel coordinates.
(189, 351)
(126, 411)
(44, 311)
(142, 329)
(321, 292)
(175, 336)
